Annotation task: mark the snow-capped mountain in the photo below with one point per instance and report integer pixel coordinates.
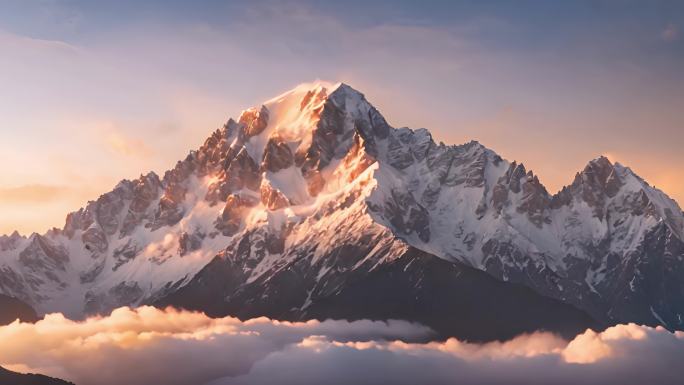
(313, 206)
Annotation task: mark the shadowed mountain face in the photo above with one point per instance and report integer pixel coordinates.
(313, 206)
(11, 378)
(12, 309)
(452, 299)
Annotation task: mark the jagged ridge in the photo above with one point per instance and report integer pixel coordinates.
(318, 169)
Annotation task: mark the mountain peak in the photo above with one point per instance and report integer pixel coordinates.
(302, 94)
(603, 170)
(599, 163)
(293, 115)
(598, 178)
(610, 187)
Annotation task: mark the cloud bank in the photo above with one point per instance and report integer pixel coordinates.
(171, 347)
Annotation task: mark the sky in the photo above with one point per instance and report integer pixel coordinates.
(94, 92)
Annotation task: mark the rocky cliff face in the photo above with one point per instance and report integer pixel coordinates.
(289, 209)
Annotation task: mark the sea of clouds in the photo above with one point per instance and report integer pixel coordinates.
(152, 346)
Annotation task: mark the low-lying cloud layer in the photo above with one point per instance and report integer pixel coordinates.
(148, 345)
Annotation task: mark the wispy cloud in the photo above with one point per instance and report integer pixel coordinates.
(670, 32)
(36, 207)
(127, 146)
(33, 193)
(9, 40)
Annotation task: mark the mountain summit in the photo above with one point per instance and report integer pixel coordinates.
(313, 206)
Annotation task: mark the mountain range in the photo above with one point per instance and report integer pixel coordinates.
(312, 206)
